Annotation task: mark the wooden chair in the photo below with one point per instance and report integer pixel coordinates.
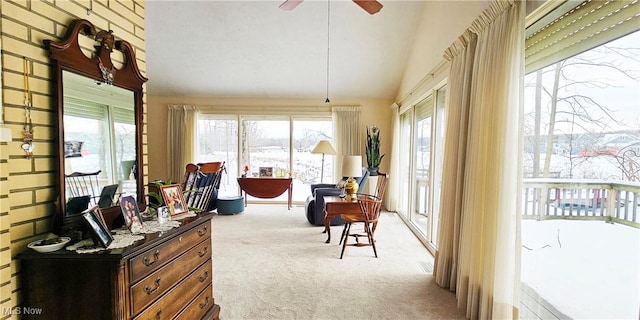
(381, 187)
(370, 207)
(81, 184)
(200, 184)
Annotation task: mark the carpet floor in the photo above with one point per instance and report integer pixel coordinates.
(269, 263)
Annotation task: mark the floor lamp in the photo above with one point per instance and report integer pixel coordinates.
(323, 147)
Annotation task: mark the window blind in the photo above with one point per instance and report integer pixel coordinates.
(84, 109)
(572, 29)
(424, 109)
(87, 109)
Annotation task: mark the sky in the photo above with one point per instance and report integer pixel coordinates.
(622, 93)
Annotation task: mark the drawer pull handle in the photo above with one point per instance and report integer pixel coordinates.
(159, 314)
(205, 303)
(155, 259)
(202, 232)
(204, 277)
(202, 252)
(149, 290)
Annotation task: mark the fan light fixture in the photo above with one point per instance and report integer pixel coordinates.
(370, 6)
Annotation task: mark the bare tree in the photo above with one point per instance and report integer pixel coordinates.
(569, 102)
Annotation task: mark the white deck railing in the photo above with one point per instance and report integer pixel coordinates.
(549, 198)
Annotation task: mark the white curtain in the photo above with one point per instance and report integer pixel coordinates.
(479, 237)
(348, 133)
(181, 139)
(460, 55)
(391, 195)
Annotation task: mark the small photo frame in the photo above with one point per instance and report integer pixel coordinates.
(164, 214)
(131, 213)
(97, 227)
(173, 198)
(266, 171)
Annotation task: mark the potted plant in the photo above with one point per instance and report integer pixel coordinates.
(373, 150)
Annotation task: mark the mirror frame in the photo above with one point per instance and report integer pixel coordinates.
(66, 54)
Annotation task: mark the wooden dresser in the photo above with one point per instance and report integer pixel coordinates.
(168, 275)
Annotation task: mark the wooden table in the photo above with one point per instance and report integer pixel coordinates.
(335, 206)
(266, 188)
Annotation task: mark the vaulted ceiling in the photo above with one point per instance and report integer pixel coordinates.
(255, 49)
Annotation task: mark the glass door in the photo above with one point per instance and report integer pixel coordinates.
(438, 156)
(405, 163)
(218, 141)
(308, 167)
(422, 164)
(421, 161)
(265, 145)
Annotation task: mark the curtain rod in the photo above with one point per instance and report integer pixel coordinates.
(429, 76)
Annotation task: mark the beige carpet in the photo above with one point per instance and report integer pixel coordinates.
(269, 263)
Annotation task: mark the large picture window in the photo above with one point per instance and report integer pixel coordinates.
(282, 143)
(581, 156)
(104, 136)
(421, 165)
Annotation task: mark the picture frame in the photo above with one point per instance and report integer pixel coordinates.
(97, 226)
(266, 171)
(131, 213)
(174, 199)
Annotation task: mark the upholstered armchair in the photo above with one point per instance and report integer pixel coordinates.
(315, 202)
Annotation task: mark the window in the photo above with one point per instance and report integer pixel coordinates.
(106, 137)
(580, 156)
(218, 141)
(421, 165)
(280, 142)
(265, 142)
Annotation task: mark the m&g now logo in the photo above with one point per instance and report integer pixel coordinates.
(21, 310)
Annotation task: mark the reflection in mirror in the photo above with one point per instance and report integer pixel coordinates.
(100, 143)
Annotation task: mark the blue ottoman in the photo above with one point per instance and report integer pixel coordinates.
(230, 205)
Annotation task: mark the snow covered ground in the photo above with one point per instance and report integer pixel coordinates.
(585, 269)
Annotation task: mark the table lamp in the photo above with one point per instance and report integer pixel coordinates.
(351, 167)
(323, 147)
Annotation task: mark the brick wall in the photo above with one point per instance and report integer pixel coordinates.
(27, 186)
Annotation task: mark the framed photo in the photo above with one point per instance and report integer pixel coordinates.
(174, 199)
(266, 171)
(131, 213)
(97, 227)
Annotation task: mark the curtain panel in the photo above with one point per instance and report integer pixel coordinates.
(347, 132)
(392, 194)
(181, 139)
(479, 237)
(460, 55)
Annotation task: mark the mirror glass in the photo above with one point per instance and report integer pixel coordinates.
(99, 143)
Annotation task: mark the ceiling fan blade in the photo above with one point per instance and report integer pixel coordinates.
(290, 4)
(370, 6)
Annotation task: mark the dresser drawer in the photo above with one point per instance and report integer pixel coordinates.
(154, 258)
(199, 306)
(180, 296)
(156, 284)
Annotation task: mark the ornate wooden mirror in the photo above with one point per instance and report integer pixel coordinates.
(99, 98)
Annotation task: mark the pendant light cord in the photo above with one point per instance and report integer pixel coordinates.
(328, 30)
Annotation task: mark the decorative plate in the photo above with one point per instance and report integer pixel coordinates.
(40, 247)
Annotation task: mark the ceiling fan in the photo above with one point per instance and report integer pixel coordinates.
(370, 6)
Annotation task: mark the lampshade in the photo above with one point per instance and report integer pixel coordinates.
(325, 147)
(352, 166)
